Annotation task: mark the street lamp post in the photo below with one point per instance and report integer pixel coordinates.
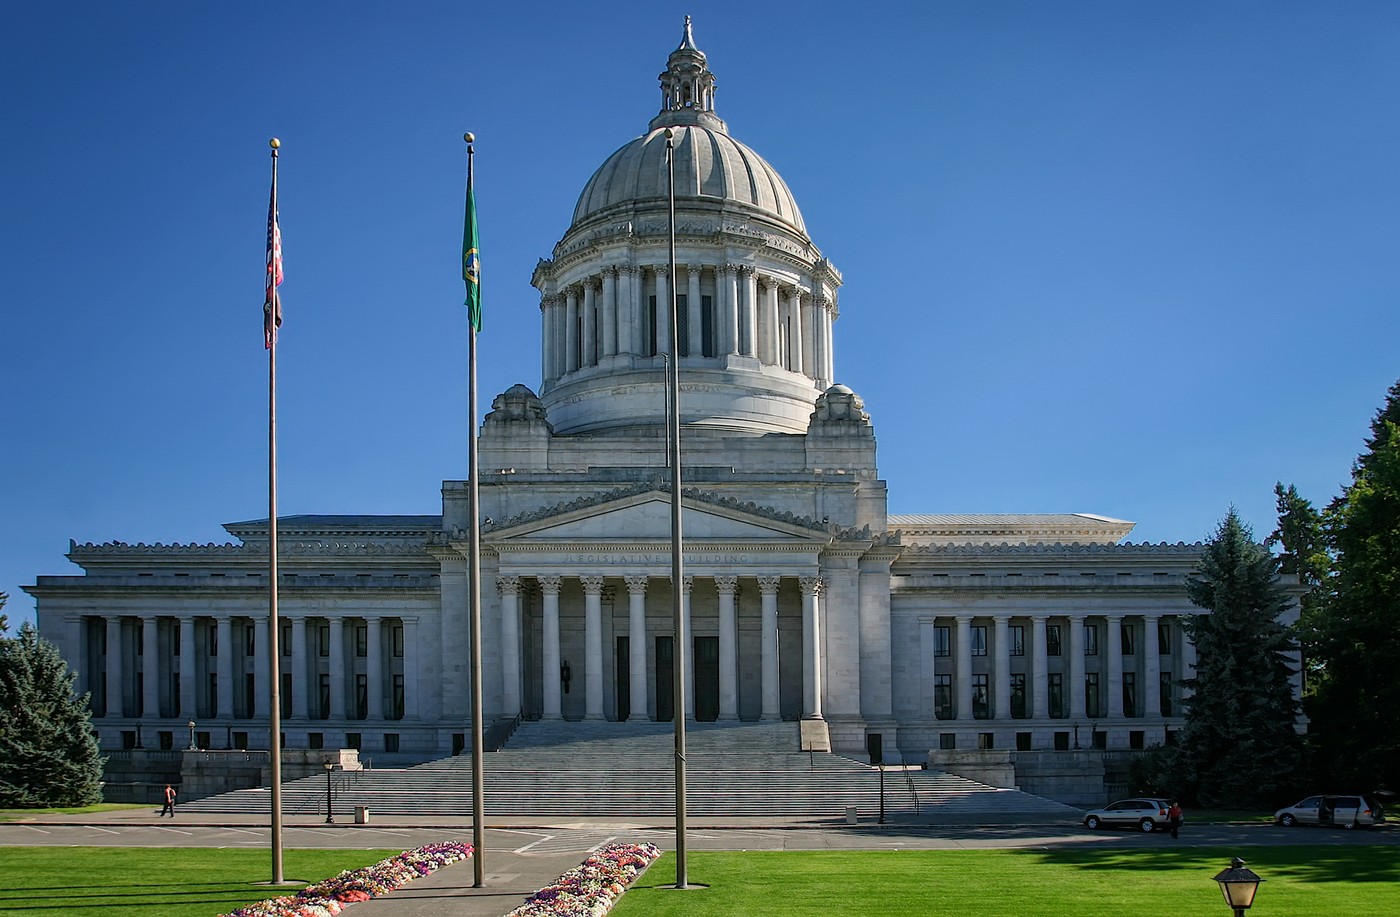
(330, 819)
(193, 746)
(1076, 737)
(1238, 883)
(138, 735)
(882, 792)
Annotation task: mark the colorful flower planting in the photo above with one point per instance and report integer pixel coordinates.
(325, 899)
(593, 887)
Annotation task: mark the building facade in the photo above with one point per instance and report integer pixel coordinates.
(804, 599)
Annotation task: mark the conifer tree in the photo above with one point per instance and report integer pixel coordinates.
(48, 755)
(1239, 746)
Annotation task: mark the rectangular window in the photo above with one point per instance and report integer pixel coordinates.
(1164, 638)
(1136, 739)
(940, 641)
(947, 741)
(324, 690)
(1018, 640)
(175, 695)
(141, 694)
(1056, 685)
(1052, 639)
(984, 740)
(361, 697)
(250, 641)
(398, 697)
(166, 739)
(201, 739)
(391, 741)
(211, 703)
(286, 698)
(707, 326)
(1023, 741)
(943, 697)
(213, 639)
(979, 640)
(1164, 691)
(1018, 695)
(1130, 694)
(361, 640)
(651, 326)
(396, 640)
(286, 638)
(323, 640)
(240, 741)
(1061, 741)
(1091, 694)
(981, 707)
(315, 740)
(175, 637)
(682, 325)
(1127, 631)
(352, 740)
(1098, 738)
(1091, 639)
(250, 694)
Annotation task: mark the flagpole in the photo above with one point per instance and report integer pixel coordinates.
(274, 673)
(673, 425)
(474, 562)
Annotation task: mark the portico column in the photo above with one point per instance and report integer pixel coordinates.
(410, 668)
(964, 700)
(608, 310)
(223, 643)
(1001, 635)
(374, 668)
(811, 648)
(115, 707)
(571, 349)
(337, 668)
(150, 666)
(729, 278)
(687, 646)
(795, 333)
(663, 306)
(301, 685)
(636, 648)
(546, 339)
(693, 313)
(1114, 624)
(549, 587)
(1151, 668)
(819, 341)
(1040, 669)
(188, 669)
(592, 647)
(769, 322)
(749, 313)
(509, 587)
(1077, 683)
(262, 684)
(590, 322)
(728, 648)
(629, 325)
(808, 312)
(828, 318)
(768, 647)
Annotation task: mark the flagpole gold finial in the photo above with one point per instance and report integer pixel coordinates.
(275, 143)
(469, 137)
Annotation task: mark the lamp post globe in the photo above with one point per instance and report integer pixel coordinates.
(193, 746)
(1238, 884)
(330, 819)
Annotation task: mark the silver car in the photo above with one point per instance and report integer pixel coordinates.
(1347, 810)
(1143, 813)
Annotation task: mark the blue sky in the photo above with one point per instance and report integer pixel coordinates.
(1128, 258)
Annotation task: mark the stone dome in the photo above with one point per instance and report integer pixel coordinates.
(711, 168)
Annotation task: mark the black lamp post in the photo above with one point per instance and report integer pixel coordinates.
(882, 792)
(138, 735)
(330, 819)
(192, 745)
(1076, 737)
(1238, 884)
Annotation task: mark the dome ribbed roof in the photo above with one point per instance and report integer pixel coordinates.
(710, 165)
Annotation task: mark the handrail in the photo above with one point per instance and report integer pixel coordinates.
(913, 791)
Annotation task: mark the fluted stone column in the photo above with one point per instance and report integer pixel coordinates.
(1002, 690)
(663, 309)
(301, 684)
(811, 648)
(553, 709)
(546, 336)
(590, 322)
(1151, 668)
(820, 350)
(687, 646)
(337, 668)
(693, 311)
(1077, 684)
(808, 312)
(749, 314)
(964, 649)
(1040, 669)
(769, 322)
(607, 311)
(509, 588)
(768, 647)
(592, 647)
(115, 706)
(150, 667)
(571, 323)
(411, 668)
(223, 641)
(374, 667)
(629, 325)
(1114, 625)
(188, 669)
(794, 297)
(636, 648)
(728, 648)
(830, 316)
(728, 280)
(262, 681)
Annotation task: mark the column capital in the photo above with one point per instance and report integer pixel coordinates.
(810, 585)
(687, 584)
(768, 585)
(722, 269)
(636, 585)
(549, 585)
(508, 585)
(726, 584)
(660, 270)
(592, 585)
(1115, 615)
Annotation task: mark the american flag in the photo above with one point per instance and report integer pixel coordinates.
(272, 303)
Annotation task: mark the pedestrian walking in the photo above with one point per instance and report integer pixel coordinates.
(1174, 817)
(169, 801)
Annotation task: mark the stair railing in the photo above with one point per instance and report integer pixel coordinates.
(913, 790)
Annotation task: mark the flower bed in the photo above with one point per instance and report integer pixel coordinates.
(593, 887)
(328, 898)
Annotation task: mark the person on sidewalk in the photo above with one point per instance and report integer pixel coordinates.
(1174, 817)
(169, 801)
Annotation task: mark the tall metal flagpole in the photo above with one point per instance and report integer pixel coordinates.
(474, 578)
(274, 673)
(673, 423)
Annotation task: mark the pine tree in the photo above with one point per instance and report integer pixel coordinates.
(1239, 745)
(48, 755)
(1356, 714)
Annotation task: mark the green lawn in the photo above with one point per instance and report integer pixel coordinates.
(153, 881)
(18, 814)
(1164, 880)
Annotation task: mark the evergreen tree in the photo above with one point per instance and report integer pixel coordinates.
(48, 755)
(1239, 746)
(1302, 537)
(1356, 713)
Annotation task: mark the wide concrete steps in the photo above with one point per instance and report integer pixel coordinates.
(628, 770)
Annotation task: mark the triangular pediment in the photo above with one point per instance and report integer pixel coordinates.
(647, 517)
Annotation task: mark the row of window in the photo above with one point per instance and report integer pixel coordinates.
(943, 708)
(977, 639)
(323, 640)
(165, 740)
(1137, 739)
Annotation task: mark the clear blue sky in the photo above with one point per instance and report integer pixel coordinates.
(1128, 258)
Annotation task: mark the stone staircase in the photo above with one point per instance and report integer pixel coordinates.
(582, 770)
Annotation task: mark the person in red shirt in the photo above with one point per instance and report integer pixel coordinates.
(169, 801)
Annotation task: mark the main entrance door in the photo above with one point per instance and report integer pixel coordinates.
(706, 680)
(665, 680)
(622, 665)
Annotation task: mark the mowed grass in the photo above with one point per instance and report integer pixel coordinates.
(155, 881)
(1337, 881)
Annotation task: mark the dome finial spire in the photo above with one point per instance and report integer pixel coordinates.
(687, 88)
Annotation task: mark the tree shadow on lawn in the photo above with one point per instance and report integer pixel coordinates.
(1312, 864)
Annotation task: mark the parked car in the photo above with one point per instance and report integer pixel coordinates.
(1142, 813)
(1345, 809)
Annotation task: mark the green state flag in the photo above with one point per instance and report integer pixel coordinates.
(471, 260)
